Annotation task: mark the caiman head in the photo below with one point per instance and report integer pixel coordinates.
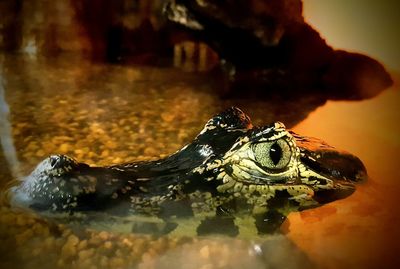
(271, 163)
(262, 166)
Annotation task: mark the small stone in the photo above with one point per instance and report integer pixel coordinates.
(103, 235)
(78, 151)
(117, 160)
(94, 241)
(150, 151)
(127, 242)
(66, 232)
(86, 254)
(108, 245)
(69, 249)
(168, 117)
(117, 262)
(64, 148)
(111, 144)
(205, 252)
(82, 244)
(32, 146)
(40, 153)
(105, 153)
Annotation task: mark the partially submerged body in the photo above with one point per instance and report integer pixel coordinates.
(231, 171)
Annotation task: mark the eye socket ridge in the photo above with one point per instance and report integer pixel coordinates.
(273, 155)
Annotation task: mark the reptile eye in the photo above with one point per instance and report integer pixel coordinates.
(273, 155)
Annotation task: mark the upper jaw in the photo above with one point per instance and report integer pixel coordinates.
(328, 172)
(328, 162)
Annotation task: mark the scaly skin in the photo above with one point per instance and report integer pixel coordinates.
(231, 169)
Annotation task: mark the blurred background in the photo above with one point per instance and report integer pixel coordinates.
(368, 26)
(136, 27)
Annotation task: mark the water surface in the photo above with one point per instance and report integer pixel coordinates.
(104, 114)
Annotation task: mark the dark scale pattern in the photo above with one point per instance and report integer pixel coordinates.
(215, 177)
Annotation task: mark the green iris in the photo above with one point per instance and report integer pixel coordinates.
(273, 155)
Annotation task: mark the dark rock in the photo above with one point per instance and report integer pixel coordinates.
(266, 44)
(355, 76)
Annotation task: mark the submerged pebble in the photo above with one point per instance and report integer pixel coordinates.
(99, 126)
(50, 245)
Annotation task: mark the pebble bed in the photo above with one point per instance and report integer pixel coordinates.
(105, 115)
(28, 241)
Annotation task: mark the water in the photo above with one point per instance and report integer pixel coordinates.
(105, 114)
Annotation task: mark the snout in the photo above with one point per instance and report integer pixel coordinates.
(338, 165)
(342, 170)
(57, 161)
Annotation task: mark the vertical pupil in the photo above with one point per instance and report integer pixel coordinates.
(275, 153)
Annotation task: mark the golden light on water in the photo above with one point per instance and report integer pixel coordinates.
(362, 230)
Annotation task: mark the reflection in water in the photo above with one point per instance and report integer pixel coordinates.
(268, 254)
(268, 45)
(368, 221)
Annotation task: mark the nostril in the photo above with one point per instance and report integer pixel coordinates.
(53, 161)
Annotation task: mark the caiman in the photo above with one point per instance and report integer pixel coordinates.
(231, 170)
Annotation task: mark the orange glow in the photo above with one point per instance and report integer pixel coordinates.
(365, 26)
(362, 230)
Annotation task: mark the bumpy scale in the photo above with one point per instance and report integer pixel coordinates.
(230, 171)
